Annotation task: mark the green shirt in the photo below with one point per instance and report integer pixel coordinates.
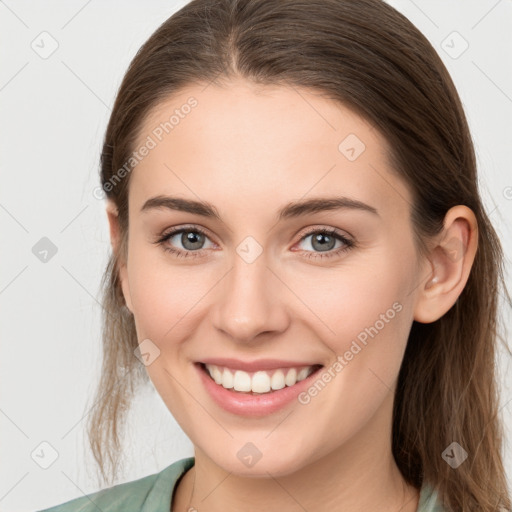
(153, 494)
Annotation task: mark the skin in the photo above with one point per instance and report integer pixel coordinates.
(249, 150)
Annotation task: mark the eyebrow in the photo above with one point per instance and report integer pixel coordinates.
(291, 210)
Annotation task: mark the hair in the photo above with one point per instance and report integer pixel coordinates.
(373, 60)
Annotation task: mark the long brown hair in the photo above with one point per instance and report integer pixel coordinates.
(369, 57)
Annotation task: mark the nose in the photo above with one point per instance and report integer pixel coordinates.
(250, 302)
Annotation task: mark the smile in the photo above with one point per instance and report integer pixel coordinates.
(258, 382)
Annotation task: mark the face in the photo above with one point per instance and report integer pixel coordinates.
(256, 277)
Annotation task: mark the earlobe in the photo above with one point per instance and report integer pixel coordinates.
(451, 259)
(115, 240)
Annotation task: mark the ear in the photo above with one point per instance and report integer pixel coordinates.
(450, 259)
(115, 240)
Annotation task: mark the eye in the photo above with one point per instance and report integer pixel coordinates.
(191, 238)
(324, 240)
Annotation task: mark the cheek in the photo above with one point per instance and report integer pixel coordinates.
(166, 302)
(363, 314)
(165, 297)
(370, 329)
(346, 300)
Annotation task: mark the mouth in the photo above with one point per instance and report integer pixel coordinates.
(260, 381)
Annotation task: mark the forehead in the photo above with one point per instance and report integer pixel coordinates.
(270, 144)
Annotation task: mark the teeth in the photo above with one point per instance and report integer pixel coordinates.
(277, 380)
(227, 379)
(242, 381)
(217, 375)
(291, 377)
(260, 381)
(302, 374)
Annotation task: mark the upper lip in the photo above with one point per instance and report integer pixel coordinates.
(260, 364)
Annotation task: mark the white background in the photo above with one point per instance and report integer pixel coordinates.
(53, 115)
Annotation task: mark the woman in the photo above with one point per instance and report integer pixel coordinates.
(302, 266)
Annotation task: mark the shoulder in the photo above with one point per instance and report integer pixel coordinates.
(152, 493)
(429, 499)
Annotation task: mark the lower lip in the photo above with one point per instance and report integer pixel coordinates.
(245, 404)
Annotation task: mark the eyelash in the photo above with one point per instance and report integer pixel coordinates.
(348, 244)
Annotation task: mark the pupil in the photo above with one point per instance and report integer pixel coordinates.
(319, 237)
(193, 238)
